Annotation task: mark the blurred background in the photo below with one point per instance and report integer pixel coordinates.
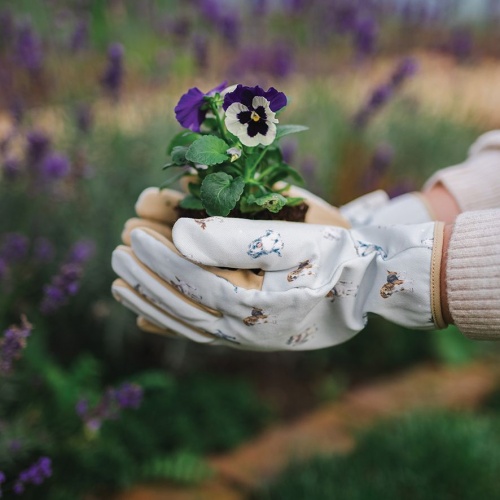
(391, 90)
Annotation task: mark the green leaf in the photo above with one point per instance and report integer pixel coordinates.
(282, 172)
(293, 201)
(179, 155)
(194, 189)
(220, 193)
(191, 203)
(273, 202)
(208, 150)
(173, 179)
(282, 130)
(184, 138)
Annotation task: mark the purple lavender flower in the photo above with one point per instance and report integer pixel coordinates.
(250, 114)
(55, 166)
(230, 28)
(192, 108)
(112, 402)
(200, 50)
(381, 160)
(43, 251)
(67, 281)
(3, 268)
(365, 37)
(308, 168)
(11, 168)
(346, 17)
(82, 407)
(14, 247)
(81, 251)
(461, 44)
(80, 36)
(28, 49)
(38, 146)
(16, 110)
(383, 93)
(402, 187)
(281, 62)
(35, 474)
(210, 10)
(112, 79)
(129, 395)
(405, 69)
(288, 149)
(13, 343)
(260, 8)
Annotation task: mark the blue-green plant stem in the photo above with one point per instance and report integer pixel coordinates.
(220, 125)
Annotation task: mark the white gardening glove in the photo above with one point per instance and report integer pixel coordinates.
(377, 208)
(318, 286)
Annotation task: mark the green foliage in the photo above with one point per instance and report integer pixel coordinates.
(208, 150)
(182, 467)
(417, 457)
(238, 176)
(220, 192)
(451, 347)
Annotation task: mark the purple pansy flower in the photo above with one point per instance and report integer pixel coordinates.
(190, 111)
(250, 114)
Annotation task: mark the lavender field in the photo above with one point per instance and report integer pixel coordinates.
(89, 405)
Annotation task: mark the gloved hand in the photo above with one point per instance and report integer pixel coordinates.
(318, 285)
(156, 209)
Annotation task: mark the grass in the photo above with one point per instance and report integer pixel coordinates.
(420, 456)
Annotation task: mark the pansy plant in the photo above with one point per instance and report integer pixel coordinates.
(230, 148)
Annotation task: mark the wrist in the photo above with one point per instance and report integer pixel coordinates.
(443, 205)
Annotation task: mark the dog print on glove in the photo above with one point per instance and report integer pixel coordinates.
(395, 283)
(266, 244)
(303, 269)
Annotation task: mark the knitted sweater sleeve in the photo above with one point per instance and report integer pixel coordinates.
(473, 274)
(475, 183)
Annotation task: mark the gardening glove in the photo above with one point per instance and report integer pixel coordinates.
(317, 285)
(155, 209)
(377, 208)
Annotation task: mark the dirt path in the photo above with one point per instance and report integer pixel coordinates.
(332, 428)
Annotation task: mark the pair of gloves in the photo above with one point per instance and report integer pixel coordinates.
(272, 285)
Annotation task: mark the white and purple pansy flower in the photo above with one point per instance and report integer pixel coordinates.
(250, 114)
(192, 107)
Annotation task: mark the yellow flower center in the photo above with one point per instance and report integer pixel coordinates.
(254, 116)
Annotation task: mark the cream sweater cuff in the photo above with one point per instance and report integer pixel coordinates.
(475, 183)
(473, 274)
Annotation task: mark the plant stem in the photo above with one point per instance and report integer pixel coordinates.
(220, 125)
(249, 173)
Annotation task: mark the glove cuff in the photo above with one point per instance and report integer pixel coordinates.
(436, 263)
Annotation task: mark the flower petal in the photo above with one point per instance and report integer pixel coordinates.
(187, 111)
(277, 100)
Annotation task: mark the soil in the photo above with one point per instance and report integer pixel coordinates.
(296, 213)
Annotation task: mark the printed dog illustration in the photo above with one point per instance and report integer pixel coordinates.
(303, 269)
(341, 290)
(365, 249)
(395, 283)
(185, 289)
(303, 337)
(269, 243)
(257, 316)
